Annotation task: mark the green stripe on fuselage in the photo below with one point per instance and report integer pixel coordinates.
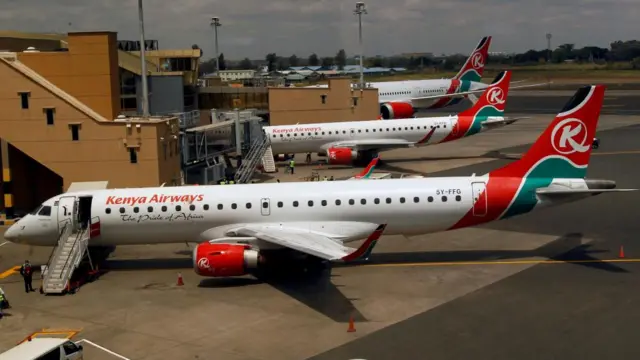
(481, 117)
(470, 75)
(540, 177)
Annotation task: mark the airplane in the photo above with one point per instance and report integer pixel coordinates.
(240, 228)
(402, 99)
(345, 143)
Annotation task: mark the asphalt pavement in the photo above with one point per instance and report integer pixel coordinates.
(577, 308)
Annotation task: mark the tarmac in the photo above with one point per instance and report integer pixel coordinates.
(414, 298)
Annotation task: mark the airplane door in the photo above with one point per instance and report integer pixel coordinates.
(479, 191)
(66, 210)
(454, 125)
(265, 207)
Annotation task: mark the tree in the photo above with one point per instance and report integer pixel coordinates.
(293, 60)
(327, 61)
(341, 59)
(222, 64)
(271, 58)
(313, 60)
(246, 64)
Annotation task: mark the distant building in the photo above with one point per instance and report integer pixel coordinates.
(235, 75)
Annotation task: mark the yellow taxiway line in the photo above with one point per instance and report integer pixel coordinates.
(9, 272)
(505, 262)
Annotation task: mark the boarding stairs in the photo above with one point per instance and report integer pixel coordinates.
(250, 162)
(268, 162)
(65, 258)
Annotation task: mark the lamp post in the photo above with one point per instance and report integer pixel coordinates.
(215, 23)
(360, 10)
(548, 47)
(143, 64)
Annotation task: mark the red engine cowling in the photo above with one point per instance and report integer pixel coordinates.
(219, 260)
(341, 156)
(396, 110)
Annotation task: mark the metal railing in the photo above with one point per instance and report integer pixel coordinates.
(252, 159)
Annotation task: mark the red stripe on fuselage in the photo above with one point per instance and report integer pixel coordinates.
(460, 128)
(427, 137)
(500, 191)
(453, 87)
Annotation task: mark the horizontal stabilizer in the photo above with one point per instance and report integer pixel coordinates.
(503, 121)
(579, 191)
(532, 85)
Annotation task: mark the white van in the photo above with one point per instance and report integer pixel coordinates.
(44, 348)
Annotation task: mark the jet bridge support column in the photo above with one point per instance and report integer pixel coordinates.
(6, 180)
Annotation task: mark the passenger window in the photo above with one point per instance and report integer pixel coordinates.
(458, 198)
(280, 204)
(444, 199)
(295, 204)
(150, 209)
(430, 199)
(107, 211)
(135, 209)
(338, 202)
(310, 203)
(178, 207)
(205, 206)
(45, 211)
(363, 201)
(121, 210)
(376, 201)
(234, 206)
(324, 202)
(352, 202)
(402, 200)
(192, 207)
(388, 200)
(249, 205)
(220, 206)
(164, 209)
(416, 199)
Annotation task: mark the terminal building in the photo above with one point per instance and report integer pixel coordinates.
(71, 114)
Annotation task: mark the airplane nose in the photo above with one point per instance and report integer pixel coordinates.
(12, 233)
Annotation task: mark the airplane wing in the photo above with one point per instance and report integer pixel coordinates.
(370, 144)
(312, 243)
(501, 121)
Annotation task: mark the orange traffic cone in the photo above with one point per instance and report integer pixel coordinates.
(352, 327)
(621, 253)
(180, 282)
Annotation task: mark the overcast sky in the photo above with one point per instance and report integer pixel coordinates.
(253, 28)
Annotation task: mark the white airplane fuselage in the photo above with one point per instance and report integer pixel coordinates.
(319, 137)
(350, 209)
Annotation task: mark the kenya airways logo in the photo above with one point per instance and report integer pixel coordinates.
(495, 96)
(477, 61)
(204, 264)
(570, 136)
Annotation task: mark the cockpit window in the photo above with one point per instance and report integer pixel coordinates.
(35, 212)
(45, 211)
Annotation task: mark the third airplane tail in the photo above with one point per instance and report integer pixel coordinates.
(473, 68)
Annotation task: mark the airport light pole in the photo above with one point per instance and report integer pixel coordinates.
(548, 47)
(215, 23)
(143, 64)
(360, 10)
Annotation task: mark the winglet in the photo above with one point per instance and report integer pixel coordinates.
(366, 172)
(364, 251)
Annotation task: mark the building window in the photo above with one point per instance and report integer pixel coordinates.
(75, 132)
(323, 97)
(133, 156)
(24, 99)
(49, 112)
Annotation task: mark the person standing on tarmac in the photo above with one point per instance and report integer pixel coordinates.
(26, 270)
(292, 165)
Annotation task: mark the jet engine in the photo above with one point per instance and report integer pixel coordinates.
(341, 156)
(396, 110)
(219, 260)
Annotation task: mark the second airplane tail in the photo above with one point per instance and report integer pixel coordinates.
(473, 68)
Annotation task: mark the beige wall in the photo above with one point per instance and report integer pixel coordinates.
(304, 105)
(101, 152)
(88, 71)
